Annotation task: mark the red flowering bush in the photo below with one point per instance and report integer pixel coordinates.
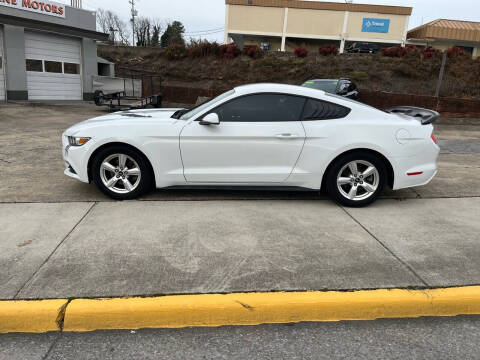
(301, 52)
(228, 51)
(253, 51)
(202, 48)
(455, 51)
(399, 51)
(329, 49)
(431, 52)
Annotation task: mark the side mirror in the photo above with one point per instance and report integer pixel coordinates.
(210, 119)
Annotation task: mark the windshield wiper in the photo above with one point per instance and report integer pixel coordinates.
(179, 113)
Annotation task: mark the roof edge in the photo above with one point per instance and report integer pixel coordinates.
(51, 27)
(334, 6)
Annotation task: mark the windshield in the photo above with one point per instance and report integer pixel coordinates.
(329, 86)
(206, 105)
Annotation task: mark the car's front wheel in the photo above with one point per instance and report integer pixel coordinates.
(121, 172)
(356, 179)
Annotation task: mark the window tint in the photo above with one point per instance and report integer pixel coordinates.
(262, 108)
(71, 68)
(53, 67)
(322, 110)
(34, 65)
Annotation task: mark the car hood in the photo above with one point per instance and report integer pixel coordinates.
(131, 116)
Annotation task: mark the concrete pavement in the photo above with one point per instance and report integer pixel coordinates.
(424, 338)
(148, 248)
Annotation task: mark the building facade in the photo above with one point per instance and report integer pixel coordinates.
(286, 24)
(444, 34)
(48, 50)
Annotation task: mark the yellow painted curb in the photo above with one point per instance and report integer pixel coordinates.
(30, 316)
(261, 308)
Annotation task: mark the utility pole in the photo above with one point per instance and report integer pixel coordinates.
(441, 75)
(134, 14)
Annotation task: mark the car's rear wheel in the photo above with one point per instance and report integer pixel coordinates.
(121, 172)
(356, 179)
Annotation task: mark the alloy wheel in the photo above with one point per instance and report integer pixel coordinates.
(358, 180)
(120, 173)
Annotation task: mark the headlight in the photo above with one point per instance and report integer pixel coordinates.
(77, 141)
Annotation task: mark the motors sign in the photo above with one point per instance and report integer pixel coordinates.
(37, 6)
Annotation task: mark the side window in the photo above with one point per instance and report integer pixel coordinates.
(34, 65)
(343, 87)
(70, 68)
(53, 67)
(262, 108)
(352, 87)
(323, 110)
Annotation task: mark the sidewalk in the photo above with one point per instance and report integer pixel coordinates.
(169, 247)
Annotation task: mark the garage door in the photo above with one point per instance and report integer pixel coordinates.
(53, 67)
(2, 68)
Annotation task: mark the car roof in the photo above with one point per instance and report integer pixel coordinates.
(280, 88)
(328, 80)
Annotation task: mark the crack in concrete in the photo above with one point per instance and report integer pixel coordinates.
(54, 250)
(404, 263)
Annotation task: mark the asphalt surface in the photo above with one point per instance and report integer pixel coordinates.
(424, 338)
(32, 166)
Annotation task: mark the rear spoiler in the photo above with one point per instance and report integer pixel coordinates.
(425, 116)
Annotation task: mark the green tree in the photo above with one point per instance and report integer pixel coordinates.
(155, 41)
(173, 35)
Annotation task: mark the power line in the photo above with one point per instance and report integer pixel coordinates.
(203, 31)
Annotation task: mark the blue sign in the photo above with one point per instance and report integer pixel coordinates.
(376, 25)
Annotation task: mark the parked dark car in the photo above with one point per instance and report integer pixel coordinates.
(363, 48)
(342, 87)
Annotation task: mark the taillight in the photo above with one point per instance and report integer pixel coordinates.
(434, 139)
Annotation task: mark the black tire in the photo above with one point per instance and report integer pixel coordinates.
(339, 164)
(98, 97)
(144, 183)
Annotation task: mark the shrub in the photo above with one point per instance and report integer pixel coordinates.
(358, 76)
(455, 51)
(202, 48)
(301, 52)
(176, 52)
(329, 49)
(431, 52)
(399, 51)
(253, 51)
(228, 51)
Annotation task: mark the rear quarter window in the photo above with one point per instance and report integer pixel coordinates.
(323, 110)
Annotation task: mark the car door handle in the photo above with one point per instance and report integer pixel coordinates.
(288, 136)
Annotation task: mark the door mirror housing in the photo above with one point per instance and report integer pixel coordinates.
(210, 119)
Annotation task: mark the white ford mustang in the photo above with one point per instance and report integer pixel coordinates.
(262, 135)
